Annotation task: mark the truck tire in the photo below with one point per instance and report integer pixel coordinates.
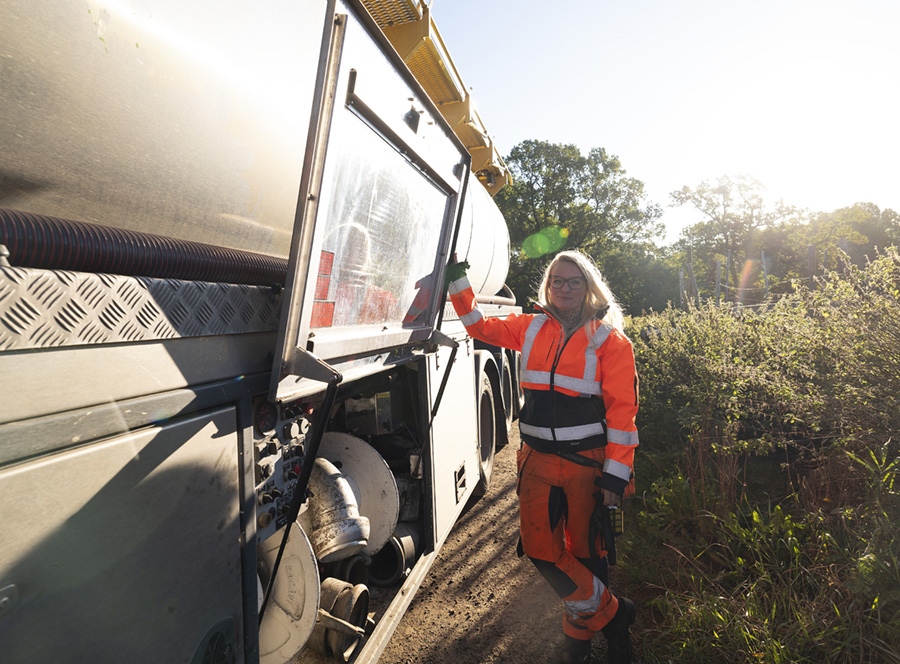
(507, 394)
(487, 434)
(520, 393)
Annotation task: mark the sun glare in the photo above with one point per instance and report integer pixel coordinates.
(801, 109)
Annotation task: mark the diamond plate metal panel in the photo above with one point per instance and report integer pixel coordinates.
(52, 308)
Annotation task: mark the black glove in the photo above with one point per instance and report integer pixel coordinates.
(612, 483)
(602, 524)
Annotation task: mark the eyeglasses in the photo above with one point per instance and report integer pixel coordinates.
(575, 283)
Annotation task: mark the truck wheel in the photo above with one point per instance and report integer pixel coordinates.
(487, 435)
(506, 385)
(520, 393)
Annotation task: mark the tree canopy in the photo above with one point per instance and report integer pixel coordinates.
(738, 227)
(561, 199)
(733, 214)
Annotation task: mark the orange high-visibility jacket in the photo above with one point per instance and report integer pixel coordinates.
(580, 393)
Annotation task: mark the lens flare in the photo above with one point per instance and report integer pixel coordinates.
(162, 415)
(546, 241)
(745, 279)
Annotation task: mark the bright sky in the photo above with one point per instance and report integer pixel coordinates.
(803, 95)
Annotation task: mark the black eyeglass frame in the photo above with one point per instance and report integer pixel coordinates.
(560, 281)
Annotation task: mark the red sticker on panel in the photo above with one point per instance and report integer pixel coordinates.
(322, 314)
(322, 283)
(326, 263)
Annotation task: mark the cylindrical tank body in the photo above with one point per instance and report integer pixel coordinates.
(191, 155)
(483, 240)
(159, 118)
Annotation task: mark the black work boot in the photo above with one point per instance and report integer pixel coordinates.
(618, 640)
(576, 651)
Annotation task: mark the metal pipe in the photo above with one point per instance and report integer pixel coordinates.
(495, 299)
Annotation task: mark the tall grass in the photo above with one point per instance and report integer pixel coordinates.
(767, 530)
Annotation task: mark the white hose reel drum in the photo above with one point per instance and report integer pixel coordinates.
(294, 603)
(372, 482)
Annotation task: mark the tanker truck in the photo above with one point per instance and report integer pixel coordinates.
(237, 418)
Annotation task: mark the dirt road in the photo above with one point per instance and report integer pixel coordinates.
(480, 603)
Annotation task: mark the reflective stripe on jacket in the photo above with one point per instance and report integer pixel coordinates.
(580, 392)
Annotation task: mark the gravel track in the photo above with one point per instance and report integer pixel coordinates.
(480, 603)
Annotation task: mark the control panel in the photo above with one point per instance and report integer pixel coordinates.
(280, 432)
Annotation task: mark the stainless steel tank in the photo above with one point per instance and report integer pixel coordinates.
(483, 240)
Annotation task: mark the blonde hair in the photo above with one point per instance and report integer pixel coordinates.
(597, 297)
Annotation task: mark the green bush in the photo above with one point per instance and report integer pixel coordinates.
(766, 527)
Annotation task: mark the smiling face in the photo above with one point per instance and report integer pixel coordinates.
(565, 298)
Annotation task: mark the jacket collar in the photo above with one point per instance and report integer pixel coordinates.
(598, 316)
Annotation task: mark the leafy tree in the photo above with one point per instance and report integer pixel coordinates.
(561, 199)
(642, 277)
(881, 227)
(857, 230)
(734, 214)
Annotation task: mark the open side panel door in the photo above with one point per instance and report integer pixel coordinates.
(380, 198)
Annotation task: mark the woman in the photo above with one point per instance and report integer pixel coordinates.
(578, 433)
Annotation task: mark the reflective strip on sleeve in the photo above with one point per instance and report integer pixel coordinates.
(472, 318)
(617, 469)
(622, 437)
(530, 334)
(458, 286)
(563, 433)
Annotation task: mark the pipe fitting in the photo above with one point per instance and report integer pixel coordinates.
(338, 530)
(343, 612)
(397, 558)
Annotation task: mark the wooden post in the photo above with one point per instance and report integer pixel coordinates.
(690, 262)
(694, 282)
(718, 282)
(681, 287)
(728, 274)
(765, 273)
(811, 262)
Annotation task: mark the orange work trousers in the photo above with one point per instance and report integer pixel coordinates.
(556, 499)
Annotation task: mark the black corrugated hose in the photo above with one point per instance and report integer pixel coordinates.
(50, 243)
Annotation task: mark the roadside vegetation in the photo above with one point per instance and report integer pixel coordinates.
(766, 527)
